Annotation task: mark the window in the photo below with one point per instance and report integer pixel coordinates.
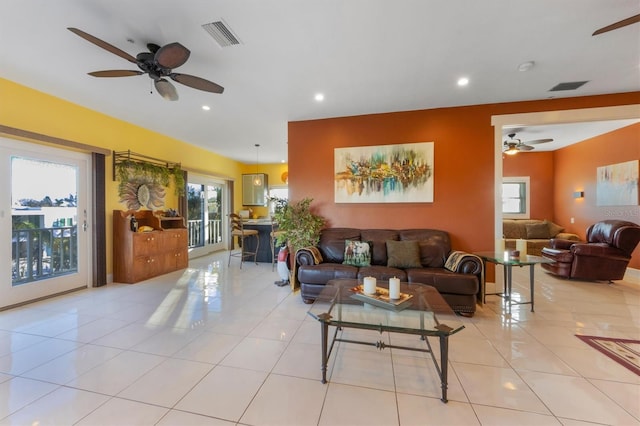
(281, 192)
(515, 197)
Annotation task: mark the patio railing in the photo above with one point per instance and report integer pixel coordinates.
(43, 253)
(196, 232)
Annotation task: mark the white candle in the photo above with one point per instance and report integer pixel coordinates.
(394, 288)
(506, 256)
(521, 246)
(369, 285)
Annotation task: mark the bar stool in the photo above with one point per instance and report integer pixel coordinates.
(237, 230)
(275, 233)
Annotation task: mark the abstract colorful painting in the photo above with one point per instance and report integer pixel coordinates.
(617, 184)
(384, 174)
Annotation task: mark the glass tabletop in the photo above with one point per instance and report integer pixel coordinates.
(502, 258)
(423, 310)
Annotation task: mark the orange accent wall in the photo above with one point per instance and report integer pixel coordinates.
(575, 170)
(463, 166)
(539, 167)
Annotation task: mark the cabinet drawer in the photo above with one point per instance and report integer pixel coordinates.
(145, 243)
(174, 239)
(146, 267)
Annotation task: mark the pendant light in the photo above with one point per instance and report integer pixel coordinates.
(257, 181)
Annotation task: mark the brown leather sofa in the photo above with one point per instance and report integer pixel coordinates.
(460, 287)
(604, 256)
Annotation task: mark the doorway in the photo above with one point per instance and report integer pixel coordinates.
(45, 236)
(543, 118)
(207, 201)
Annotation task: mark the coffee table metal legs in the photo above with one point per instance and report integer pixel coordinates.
(508, 286)
(442, 368)
(325, 355)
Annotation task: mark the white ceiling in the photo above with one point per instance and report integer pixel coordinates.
(366, 56)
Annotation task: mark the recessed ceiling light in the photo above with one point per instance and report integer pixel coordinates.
(206, 107)
(319, 97)
(526, 66)
(463, 81)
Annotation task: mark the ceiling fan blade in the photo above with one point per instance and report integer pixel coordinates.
(166, 89)
(172, 55)
(536, 141)
(103, 44)
(197, 82)
(619, 24)
(523, 147)
(115, 73)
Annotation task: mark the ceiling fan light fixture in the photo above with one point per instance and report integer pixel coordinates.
(511, 151)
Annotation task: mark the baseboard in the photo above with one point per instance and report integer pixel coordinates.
(632, 276)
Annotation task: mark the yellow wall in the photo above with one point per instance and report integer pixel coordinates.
(274, 171)
(28, 109)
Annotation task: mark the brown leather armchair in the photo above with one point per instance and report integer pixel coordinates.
(604, 256)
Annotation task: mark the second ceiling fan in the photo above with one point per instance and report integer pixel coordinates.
(158, 63)
(513, 145)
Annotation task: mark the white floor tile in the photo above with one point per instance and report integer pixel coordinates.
(118, 411)
(63, 406)
(418, 410)
(181, 418)
(162, 386)
(18, 392)
(576, 398)
(284, 400)
(224, 393)
(352, 406)
(255, 354)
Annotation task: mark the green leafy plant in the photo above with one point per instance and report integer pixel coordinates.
(299, 225)
(128, 170)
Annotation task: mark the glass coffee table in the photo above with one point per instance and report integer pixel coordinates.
(502, 258)
(423, 312)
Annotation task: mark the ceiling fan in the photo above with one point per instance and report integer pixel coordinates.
(632, 20)
(513, 146)
(158, 63)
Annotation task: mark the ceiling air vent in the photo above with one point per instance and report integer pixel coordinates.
(221, 33)
(571, 85)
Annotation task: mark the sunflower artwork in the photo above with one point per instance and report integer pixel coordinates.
(138, 193)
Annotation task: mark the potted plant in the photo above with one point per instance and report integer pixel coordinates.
(299, 226)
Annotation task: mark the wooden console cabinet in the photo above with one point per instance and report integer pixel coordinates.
(138, 256)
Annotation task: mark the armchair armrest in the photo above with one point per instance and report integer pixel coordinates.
(598, 250)
(561, 244)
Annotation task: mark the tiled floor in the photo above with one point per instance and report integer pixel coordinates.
(213, 345)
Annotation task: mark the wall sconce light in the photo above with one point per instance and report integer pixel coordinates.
(578, 194)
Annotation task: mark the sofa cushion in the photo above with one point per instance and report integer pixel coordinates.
(537, 230)
(357, 253)
(331, 243)
(554, 229)
(382, 273)
(320, 274)
(444, 280)
(377, 239)
(435, 245)
(403, 254)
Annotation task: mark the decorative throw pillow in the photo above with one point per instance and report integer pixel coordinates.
(357, 253)
(537, 231)
(403, 254)
(553, 228)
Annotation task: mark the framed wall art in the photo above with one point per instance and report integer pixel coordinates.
(617, 184)
(400, 173)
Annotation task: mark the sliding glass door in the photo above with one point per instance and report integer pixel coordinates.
(206, 214)
(45, 235)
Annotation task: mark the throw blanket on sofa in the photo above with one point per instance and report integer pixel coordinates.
(457, 257)
(317, 256)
